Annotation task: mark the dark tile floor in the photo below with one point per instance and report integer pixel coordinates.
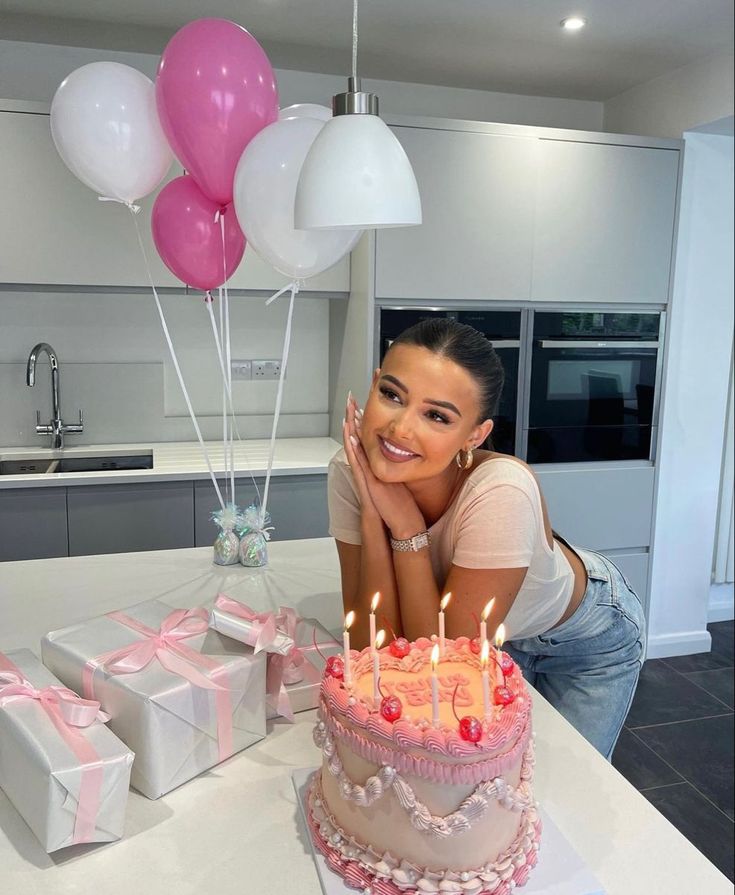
(677, 745)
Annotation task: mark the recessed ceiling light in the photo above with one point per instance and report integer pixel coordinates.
(573, 23)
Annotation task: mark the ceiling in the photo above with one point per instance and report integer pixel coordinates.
(513, 46)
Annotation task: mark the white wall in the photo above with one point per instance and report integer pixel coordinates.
(694, 409)
(675, 102)
(34, 71)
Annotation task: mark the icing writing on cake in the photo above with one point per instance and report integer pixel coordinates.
(418, 692)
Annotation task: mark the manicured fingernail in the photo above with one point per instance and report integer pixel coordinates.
(343, 421)
(358, 412)
(353, 439)
(349, 396)
(358, 422)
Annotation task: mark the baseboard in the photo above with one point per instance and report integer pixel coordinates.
(684, 643)
(721, 606)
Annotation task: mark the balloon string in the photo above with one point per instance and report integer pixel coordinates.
(175, 361)
(227, 346)
(233, 418)
(224, 402)
(294, 287)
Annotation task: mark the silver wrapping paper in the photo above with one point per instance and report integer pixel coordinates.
(41, 775)
(247, 631)
(168, 722)
(304, 695)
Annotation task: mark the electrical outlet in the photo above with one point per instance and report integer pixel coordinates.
(241, 369)
(266, 369)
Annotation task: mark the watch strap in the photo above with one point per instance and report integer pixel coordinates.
(411, 545)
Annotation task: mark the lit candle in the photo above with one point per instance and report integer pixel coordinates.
(442, 606)
(499, 641)
(377, 643)
(484, 657)
(373, 607)
(483, 619)
(434, 686)
(349, 618)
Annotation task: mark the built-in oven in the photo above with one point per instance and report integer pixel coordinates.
(593, 386)
(502, 328)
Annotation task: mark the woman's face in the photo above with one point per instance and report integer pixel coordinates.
(422, 409)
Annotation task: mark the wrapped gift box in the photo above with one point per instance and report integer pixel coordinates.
(181, 696)
(65, 772)
(295, 666)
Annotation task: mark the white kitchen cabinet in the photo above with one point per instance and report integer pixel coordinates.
(604, 222)
(476, 239)
(53, 229)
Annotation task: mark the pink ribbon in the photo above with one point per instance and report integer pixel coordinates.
(266, 627)
(167, 647)
(69, 713)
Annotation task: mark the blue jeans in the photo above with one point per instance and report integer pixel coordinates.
(588, 666)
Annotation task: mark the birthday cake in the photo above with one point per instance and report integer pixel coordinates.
(425, 784)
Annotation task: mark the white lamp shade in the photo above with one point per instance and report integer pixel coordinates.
(357, 176)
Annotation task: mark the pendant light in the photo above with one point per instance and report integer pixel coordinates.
(356, 174)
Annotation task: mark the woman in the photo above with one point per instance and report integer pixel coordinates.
(418, 511)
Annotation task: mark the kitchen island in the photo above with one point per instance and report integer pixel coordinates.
(236, 830)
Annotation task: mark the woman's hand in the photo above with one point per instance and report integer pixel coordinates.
(393, 502)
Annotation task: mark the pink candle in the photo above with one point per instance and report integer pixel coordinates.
(483, 619)
(373, 607)
(434, 686)
(442, 606)
(499, 641)
(377, 643)
(349, 618)
(486, 704)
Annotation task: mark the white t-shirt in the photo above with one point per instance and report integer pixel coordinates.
(494, 522)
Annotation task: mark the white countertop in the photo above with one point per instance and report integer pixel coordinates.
(176, 461)
(235, 830)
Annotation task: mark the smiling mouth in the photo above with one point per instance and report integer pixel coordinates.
(393, 452)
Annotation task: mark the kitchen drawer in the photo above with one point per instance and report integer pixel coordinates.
(33, 523)
(126, 518)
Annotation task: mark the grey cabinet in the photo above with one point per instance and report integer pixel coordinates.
(32, 523)
(476, 239)
(604, 222)
(124, 518)
(297, 504)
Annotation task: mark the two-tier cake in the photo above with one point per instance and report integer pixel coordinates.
(426, 788)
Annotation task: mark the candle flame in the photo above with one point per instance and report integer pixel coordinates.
(484, 654)
(375, 601)
(500, 636)
(488, 609)
(349, 618)
(445, 601)
(434, 657)
(379, 638)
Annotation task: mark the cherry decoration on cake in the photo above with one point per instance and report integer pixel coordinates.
(391, 707)
(399, 647)
(470, 728)
(334, 666)
(503, 695)
(506, 664)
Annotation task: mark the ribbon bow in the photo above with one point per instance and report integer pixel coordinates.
(274, 632)
(167, 647)
(68, 713)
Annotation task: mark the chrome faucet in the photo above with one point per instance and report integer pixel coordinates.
(56, 428)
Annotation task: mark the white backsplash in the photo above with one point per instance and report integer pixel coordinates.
(115, 366)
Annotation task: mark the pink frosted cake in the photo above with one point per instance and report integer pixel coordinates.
(403, 804)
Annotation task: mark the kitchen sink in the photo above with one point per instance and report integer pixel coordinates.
(46, 465)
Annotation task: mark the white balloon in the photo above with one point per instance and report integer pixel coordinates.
(264, 194)
(306, 110)
(105, 126)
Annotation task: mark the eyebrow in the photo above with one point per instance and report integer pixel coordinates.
(397, 382)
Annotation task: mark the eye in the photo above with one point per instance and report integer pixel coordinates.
(437, 417)
(388, 393)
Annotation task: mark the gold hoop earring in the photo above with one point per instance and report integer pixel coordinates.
(467, 462)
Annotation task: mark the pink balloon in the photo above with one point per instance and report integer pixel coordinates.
(215, 90)
(189, 240)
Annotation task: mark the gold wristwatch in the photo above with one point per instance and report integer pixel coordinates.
(411, 545)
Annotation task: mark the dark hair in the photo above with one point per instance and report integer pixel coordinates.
(468, 348)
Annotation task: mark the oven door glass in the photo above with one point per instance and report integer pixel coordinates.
(591, 400)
